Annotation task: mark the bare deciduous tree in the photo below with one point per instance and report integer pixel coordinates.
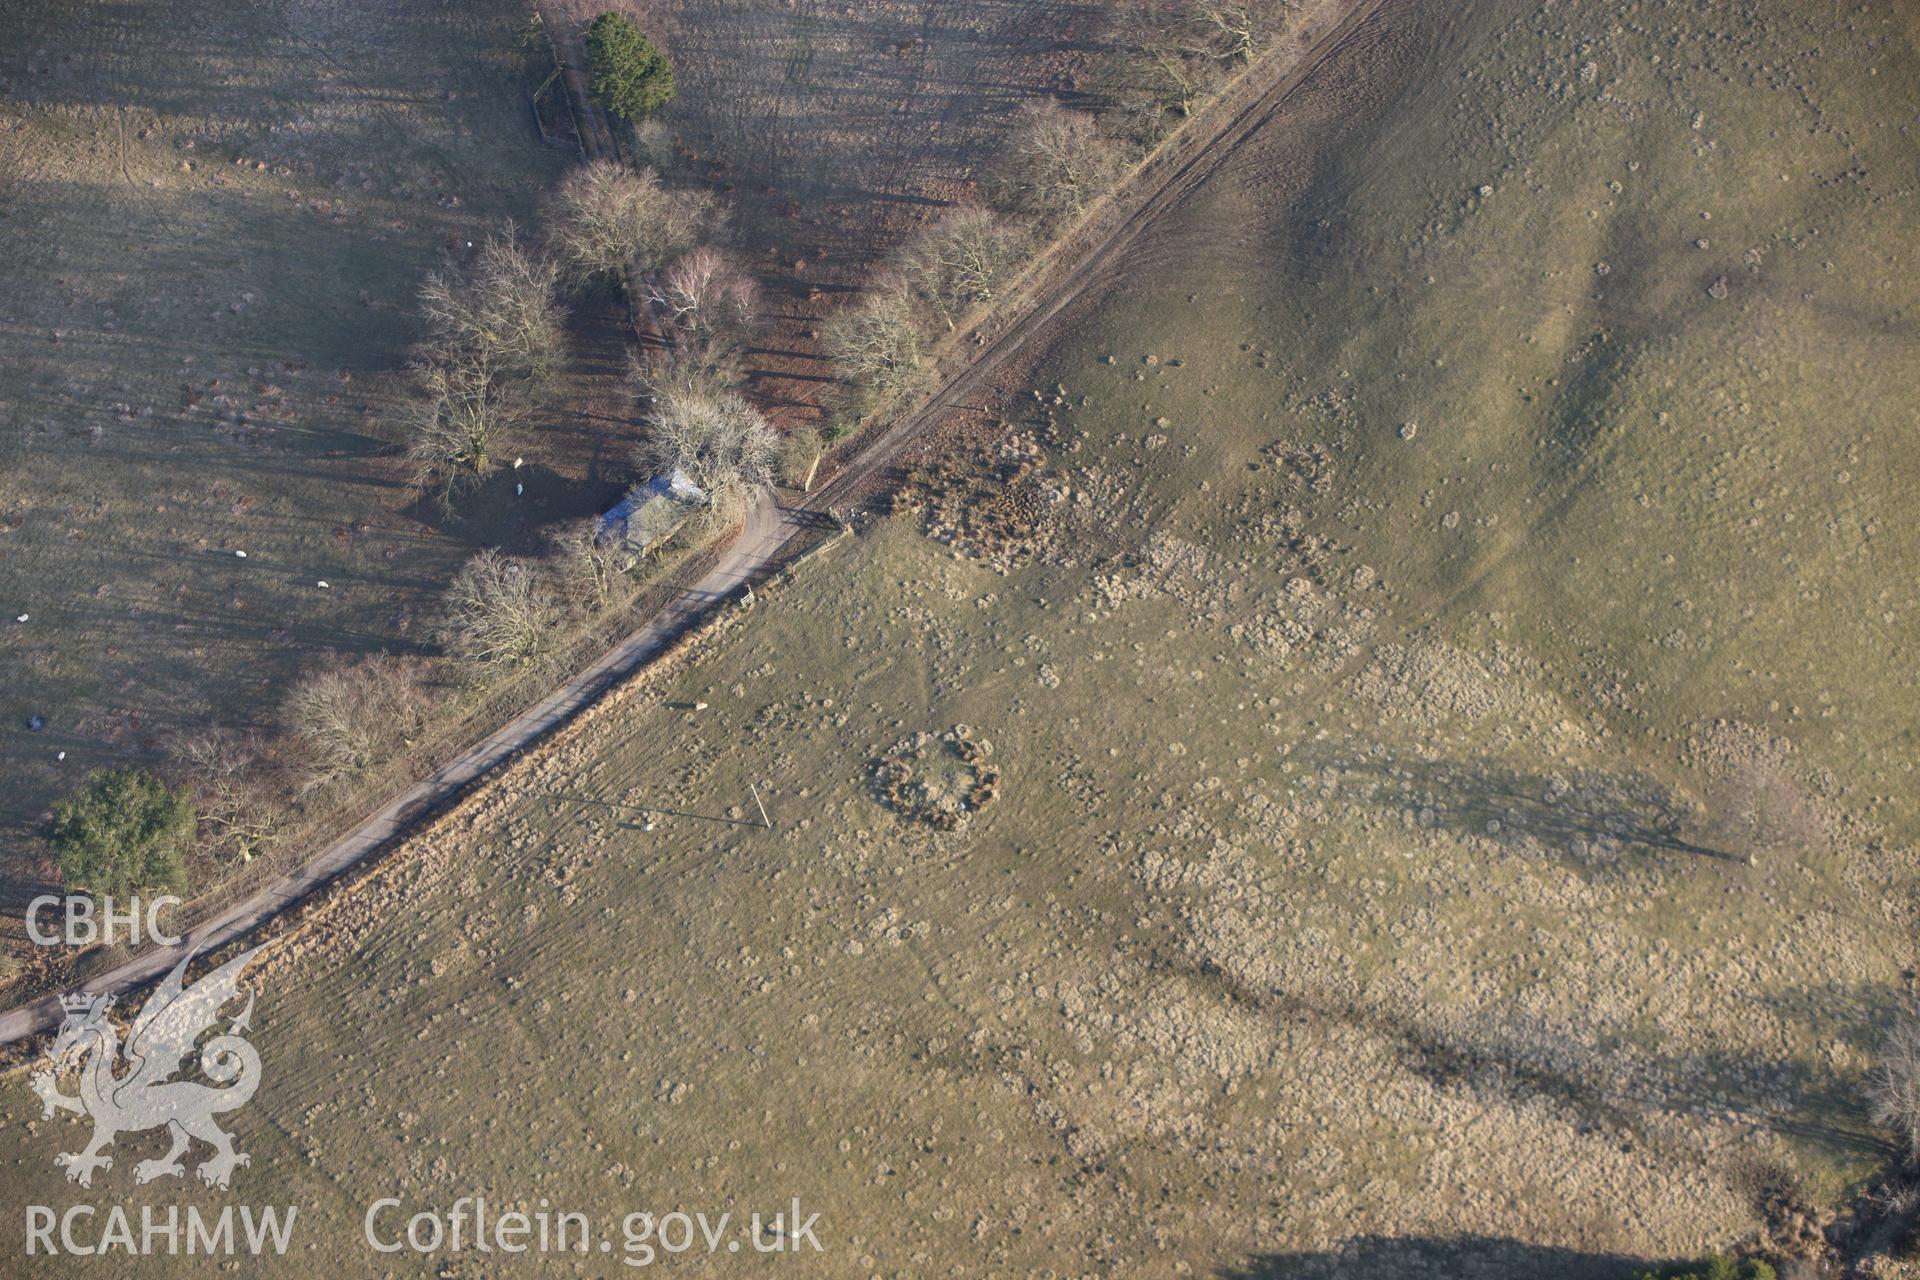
(683, 367)
(611, 222)
(959, 261)
(876, 341)
(348, 719)
(1166, 65)
(716, 437)
(500, 313)
(1054, 162)
(1234, 30)
(1181, 36)
(493, 335)
(239, 814)
(705, 297)
(454, 421)
(706, 306)
(500, 612)
(1174, 81)
(1893, 1087)
(592, 574)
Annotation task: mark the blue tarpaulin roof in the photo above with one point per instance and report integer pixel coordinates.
(651, 512)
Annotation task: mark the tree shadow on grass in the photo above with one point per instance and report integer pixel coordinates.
(1587, 818)
(1607, 1086)
(1466, 1257)
(1854, 1011)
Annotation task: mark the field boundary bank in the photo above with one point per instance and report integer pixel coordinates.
(445, 743)
(1063, 271)
(676, 612)
(1064, 268)
(315, 908)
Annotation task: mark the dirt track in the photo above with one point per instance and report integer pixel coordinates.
(1098, 253)
(1087, 261)
(769, 527)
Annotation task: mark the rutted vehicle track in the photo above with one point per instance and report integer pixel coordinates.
(1162, 185)
(1089, 260)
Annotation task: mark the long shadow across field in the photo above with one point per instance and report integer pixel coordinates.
(1585, 816)
(1608, 1086)
(1427, 1257)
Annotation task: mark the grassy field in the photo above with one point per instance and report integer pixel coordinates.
(835, 130)
(820, 109)
(214, 224)
(1436, 638)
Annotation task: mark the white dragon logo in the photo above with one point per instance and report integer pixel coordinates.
(147, 1097)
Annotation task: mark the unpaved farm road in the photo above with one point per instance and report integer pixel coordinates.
(769, 527)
